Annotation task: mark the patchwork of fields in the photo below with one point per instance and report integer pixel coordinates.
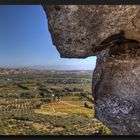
(34, 102)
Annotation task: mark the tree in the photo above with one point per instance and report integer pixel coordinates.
(27, 95)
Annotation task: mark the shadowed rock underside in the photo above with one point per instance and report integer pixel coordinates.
(77, 30)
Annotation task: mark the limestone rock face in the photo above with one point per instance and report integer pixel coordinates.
(112, 33)
(77, 30)
(116, 88)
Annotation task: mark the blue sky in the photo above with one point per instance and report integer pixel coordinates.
(26, 41)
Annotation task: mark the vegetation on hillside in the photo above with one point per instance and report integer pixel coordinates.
(47, 103)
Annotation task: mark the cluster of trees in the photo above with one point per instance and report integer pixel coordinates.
(87, 96)
(44, 92)
(68, 81)
(27, 95)
(88, 105)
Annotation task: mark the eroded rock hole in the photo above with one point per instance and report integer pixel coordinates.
(40, 92)
(57, 8)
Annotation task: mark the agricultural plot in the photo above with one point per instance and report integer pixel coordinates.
(36, 102)
(65, 108)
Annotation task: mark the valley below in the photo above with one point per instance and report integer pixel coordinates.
(41, 102)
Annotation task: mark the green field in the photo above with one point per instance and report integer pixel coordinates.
(36, 102)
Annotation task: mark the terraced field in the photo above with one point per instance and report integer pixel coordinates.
(65, 108)
(48, 103)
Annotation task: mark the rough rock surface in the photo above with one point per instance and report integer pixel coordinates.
(112, 33)
(78, 29)
(116, 88)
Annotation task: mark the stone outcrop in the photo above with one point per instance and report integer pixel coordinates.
(112, 33)
(116, 88)
(77, 30)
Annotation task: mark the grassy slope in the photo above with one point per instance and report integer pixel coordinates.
(65, 107)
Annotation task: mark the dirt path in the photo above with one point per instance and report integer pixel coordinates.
(66, 103)
(54, 106)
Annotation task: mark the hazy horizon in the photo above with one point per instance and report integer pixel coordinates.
(26, 42)
(53, 67)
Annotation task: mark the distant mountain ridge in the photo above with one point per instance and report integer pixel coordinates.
(34, 70)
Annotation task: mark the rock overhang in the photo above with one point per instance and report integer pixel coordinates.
(78, 31)
(112, 33)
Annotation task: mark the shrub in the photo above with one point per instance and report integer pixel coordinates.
(27, 95)
(88, 105)
(105, 130)
(46, 100)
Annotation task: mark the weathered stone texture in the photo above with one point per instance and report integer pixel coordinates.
(78, 29)
(112, 33)
(116, 88)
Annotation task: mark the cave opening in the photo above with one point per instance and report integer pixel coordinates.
(30, 45)
(30, 41)
(35, 80)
